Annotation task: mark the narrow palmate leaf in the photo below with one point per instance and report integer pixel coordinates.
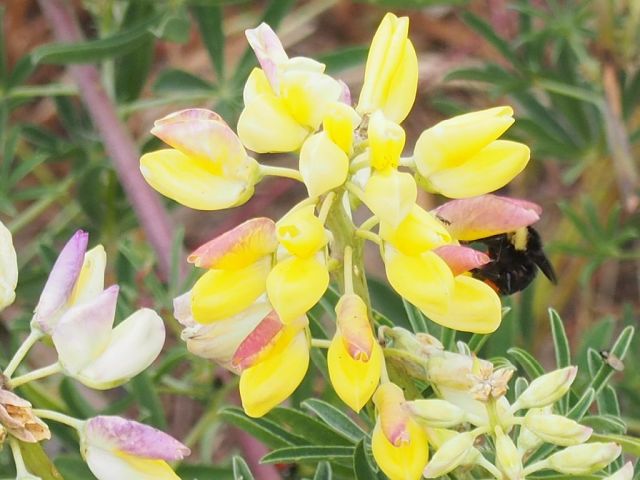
(605, 424)
(335, 418)
(37, 461)
(529, 364)
(307, 454)
(323, 472)
(241, 470)
(416, 318)
(313, 430)
(562, 349)
(267, 431)
(209, 20)
(149, 400)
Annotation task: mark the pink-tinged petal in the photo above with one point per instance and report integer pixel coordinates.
(269, 52)
(182, 310)
(84, 330)
(203, 135)
(353, 323)
(238, 247)
(486, 215)
(119, 434)
(61, 281)
(220, 340)
(345, 94)
(392, 414)
(262, 336)
(461, 259)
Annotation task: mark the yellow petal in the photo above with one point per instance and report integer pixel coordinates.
(323, 165)
(401, 92)
(90, 282)
(115, 464)
(255, 85)
(277, 375)
(353, 380)
(339, 123)
(492, 168)
(352, 321)
(265, 125)
(386, 141)
(301, 232)
(196, 183)
(404, 462)
(451, 142)
(391, 73)
(418, 232)
(295, 285)
(424, 280)
(475, 307)
(391, 195)
(393, 414)
(238, 247)
(307, 95)
(218, 294)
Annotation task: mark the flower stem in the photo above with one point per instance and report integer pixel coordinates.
(59, 417)
(280, 172)
(489, 467)
(348, 270)
(369, 223)
(325, 208)
(320, 343)
(367, 235)
(36, 375)
(33, 337)
(355, 190)
(21, 468)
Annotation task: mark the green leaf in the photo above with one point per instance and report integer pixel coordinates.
(336, 419)
(3, 50)
(344, 58)
(93, 51)
(529, 364)
(148, 399)
(37, 461)
(608, 402)
(323, 472)
(362, 469)
(189, 471)
(619, 349)
(241, 470)
(174, 26)
(209, 20)
(605, 423)
(309, 428)
(583, 404)
(562, 350)
(416, 318)
(175, 80)
(267, 431)
(630, 445)
(72, 467)
(477, 341)
(307, 453)
(489, 34)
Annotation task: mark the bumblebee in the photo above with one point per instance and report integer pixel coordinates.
(515, 260)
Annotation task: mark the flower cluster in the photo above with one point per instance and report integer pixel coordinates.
(470, 404)
(248, 310)
(76, 312)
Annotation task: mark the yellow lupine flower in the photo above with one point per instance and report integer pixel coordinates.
(296, 284)
(219, 294)
(207, 168)
(391, 195)
(277, 374)
(461, 157)
(301, 232)
(323, 164)
(391, 73)
(354, 357)
(418, 232)
(339, 123)
(386, 141)
(399, 444)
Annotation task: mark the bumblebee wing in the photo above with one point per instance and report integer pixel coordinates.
(544, 264)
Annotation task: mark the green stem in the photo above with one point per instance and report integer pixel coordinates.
(489, 467)
(281, 172)
(325, 208)
(59, 417)
(320, 343)
(36, 375)
(369, 223)
(33, 337)
(534, 467)
(21, 468)
(348, 270)
(367, 235)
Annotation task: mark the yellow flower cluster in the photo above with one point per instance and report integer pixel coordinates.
(248, 310)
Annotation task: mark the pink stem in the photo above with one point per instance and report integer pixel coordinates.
(117, 140)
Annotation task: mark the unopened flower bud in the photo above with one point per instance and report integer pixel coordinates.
(436, 413)
(450, 455)
(557, 429)
(546, 389)
(508, 458)
(584, 459)
(18, 419)
(625, 473)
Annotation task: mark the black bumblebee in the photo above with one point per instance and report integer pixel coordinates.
(515, 259)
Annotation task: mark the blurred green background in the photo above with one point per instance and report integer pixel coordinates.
(571, 69)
